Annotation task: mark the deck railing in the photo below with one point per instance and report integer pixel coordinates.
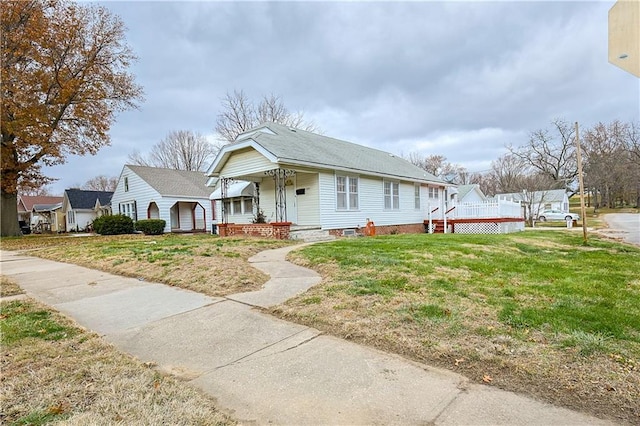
(487, 210)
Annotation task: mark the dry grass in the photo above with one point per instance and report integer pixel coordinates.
(8, 287)
(203, 263)
(78, 379)
(445, 311)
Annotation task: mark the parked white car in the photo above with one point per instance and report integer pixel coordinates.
(550, 215)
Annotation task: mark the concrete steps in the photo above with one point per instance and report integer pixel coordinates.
(309, 235)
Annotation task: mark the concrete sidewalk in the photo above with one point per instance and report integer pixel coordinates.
(263, 370)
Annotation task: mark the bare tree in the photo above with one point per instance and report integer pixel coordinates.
(438, 166)
(509, 173)
(611, 164)
(101, 183)
(240, 114)
(552, 153)
(179, 150)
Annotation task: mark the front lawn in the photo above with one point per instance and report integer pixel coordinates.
(535, 312)
(203, 263)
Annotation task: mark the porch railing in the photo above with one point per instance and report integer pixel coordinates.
(487, 210)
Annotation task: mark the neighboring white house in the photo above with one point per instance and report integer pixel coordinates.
(537, 201)
(179, 197)
(79, 207)
(470, 194)
(316, 181)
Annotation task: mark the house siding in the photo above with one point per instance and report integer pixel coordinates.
(143, 195)
(246, 163)
(371, 204)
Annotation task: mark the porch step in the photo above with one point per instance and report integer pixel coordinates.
(310, 235)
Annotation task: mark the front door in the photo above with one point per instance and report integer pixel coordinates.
(292, 203)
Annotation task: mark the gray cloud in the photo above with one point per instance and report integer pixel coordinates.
(461, 79)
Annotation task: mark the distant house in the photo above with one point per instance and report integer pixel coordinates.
(81, 208)
(470, 194)
(308, 180)
(50, 218)
(180, 197)
(26, 203)
(537, 201)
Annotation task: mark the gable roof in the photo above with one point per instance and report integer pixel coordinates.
(174, 183)
(37, 208)
(81, 199)
(26, 202)
(551, 195)
(463, 190)
(298, 147)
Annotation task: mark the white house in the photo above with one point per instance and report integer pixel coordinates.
(79, 207)
(314, 181)
(470, 194)
(537, 201)
(180, 197)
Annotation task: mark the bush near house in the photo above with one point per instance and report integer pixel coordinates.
(113, 225)
(151, 226)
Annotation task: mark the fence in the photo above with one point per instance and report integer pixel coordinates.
(487, 210)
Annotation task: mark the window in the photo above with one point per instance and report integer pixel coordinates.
(416, 196)
(71, 217)
(237, 206)
(226, 207)
(248, 205)
(126, 184)
(433, 193)
(129, 209)
(391, 195)
(347, 193)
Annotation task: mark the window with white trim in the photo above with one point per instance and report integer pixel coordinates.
(347, 193)
(433, 193)
(129, 209)
(416, 196)
(391, 195)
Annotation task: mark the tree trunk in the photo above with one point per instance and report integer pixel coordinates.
(9, 226)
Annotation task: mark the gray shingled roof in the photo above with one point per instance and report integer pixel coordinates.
(81, 199)
(174, 183)
(463, 190)
(295, 146)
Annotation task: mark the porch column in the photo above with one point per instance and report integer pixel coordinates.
(280, 178)
(224, 190)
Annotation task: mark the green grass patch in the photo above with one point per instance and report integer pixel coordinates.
(21, 320)
(546, 281)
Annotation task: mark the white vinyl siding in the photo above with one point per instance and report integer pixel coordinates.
(246, 162)
(143, 194)
(371, 204)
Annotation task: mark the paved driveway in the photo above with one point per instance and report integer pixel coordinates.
(623, 225)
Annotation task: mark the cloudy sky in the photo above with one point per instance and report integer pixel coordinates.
(459, 79)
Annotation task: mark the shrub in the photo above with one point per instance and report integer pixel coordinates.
(151, 226)
(113, 225)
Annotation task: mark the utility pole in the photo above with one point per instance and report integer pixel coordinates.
(583, 210)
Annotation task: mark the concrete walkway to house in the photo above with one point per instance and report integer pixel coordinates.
(264, 370)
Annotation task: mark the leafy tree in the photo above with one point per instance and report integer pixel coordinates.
(64, 77)
(101, 183)
(240, 114)
(179, 150)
